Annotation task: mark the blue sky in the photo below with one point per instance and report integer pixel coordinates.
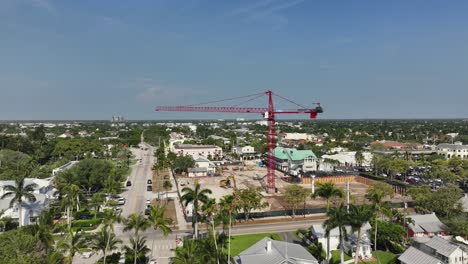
(67, 59)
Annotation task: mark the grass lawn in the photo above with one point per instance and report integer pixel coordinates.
(242, 242)
(336, 257)
(384, 257)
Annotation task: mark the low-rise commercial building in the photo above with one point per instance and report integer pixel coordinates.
(453, 150)
(207, 151)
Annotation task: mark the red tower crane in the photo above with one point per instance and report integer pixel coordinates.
(268, 113)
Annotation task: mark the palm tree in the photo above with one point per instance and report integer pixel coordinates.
(376, 197)
(19, 192)
(195, 196)
(109, 218)
(73, 243)
(209, 209)
(227, 210)
(359, 158)
(187, 254)
(136, 222)
(43, 229)
(167, 185)
(55, 257)
(157, 220)
(137, 249)
(70, 194)
(105, 240)
(327, 191)
(359, 216)
(3, 221)
(337, 218)
(96, 201)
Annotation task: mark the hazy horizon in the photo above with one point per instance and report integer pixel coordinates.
(88, 60)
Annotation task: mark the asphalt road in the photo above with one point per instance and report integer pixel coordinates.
(135, 195)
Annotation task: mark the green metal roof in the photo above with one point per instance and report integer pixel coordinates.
(285, 153)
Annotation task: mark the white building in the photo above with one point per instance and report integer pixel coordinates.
(453, 150)
(291, 159)
(206, 151)
(203, 167)
(365, 251)
(303, 137)
(64, 167)
(246, 152)
(44, 193)
(347, 159)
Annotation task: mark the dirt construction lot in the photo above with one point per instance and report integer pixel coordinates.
(254, 177)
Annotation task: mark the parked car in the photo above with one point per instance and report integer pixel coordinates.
(148, 201)
(121, 201)
(147, 211)
(129, 183)
(87, 254)
(150, 182)
(118, 209)
(149, 188)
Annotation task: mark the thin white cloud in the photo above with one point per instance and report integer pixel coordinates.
(250, 8)
(151, 94)
(265, 12)
(273, 9)
(44, 4)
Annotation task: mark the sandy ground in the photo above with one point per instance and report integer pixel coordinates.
(250, 176)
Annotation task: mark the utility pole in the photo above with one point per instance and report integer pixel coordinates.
(347, 196)
(313, 184)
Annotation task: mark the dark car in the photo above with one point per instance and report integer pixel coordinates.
(129, 183)
(147, 211)
(150, 182)
(149, 188)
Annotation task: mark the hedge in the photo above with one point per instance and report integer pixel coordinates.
(86, 223)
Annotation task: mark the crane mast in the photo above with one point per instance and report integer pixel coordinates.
(268, 113)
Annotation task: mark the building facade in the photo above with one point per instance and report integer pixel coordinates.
(453, 150)
(206, 151)
(291, 160)
(44, 194)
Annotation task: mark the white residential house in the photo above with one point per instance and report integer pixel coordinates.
(292, 160)
(268, 251)
(203, 167)
(44, 193)
(65, 135)
(198, 150)
(245, 152)
(365, 251)
(435, 250)
(64, 167)
(453, 150)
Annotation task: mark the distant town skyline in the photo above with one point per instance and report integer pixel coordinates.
(88, 60)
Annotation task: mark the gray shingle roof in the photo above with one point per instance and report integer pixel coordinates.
(427, 222)
(415, 256)
(281, 252)
(442, 246)
(452, 146)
